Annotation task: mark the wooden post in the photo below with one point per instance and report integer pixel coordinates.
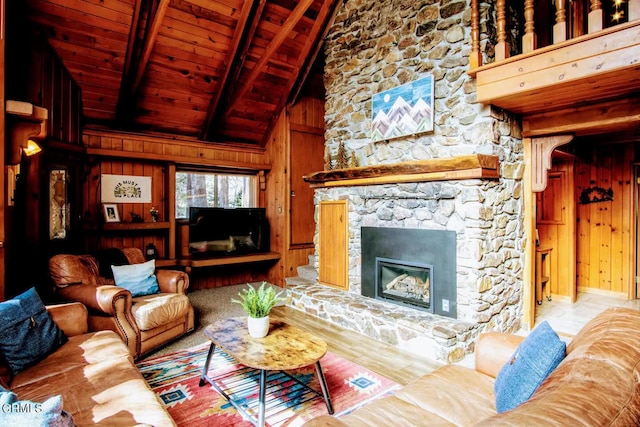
(529, 38)
(596, 17)
(560, 28)
(502, 48)
(475, 58)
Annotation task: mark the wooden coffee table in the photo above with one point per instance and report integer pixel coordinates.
(285, 348)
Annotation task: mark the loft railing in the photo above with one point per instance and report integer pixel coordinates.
(595, 23)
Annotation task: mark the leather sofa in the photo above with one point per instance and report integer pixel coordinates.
(144, 323)
(597, 384)
(95, 375)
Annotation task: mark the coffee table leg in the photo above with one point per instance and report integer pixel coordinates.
(323, 386)
(263, 387)
(205, 368)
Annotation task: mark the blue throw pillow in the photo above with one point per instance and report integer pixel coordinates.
(24, 413)
(535, 358)
(139, 279)
(27, 333)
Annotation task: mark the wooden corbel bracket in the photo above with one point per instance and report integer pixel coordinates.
(541, 149)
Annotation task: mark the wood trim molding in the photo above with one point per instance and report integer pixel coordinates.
(541, 149)
(451, 168)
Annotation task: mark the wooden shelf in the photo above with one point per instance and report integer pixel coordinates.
(460, 167)
(227, 260)
(129, 226)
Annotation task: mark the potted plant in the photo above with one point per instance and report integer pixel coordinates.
(257, 303)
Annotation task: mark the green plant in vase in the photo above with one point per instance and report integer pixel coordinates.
(257, 303)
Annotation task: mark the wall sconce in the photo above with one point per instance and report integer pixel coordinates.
(26, 121)
(31, 148)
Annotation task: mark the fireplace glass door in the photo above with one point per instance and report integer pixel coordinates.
(404, 283)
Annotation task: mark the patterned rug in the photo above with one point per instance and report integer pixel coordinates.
(175, 378)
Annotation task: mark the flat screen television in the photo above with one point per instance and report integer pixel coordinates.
(227, 231)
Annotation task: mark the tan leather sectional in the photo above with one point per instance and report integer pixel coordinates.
(95, 374)
(597, 384)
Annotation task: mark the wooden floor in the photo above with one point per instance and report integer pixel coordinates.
(386, 360)
(567, 319)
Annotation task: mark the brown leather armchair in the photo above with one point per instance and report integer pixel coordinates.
(144, 323)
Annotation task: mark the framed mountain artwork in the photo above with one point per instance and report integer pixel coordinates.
(404, 110)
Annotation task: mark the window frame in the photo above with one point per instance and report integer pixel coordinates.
(252, 174)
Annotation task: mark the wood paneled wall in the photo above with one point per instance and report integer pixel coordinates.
(128, 154)
(556, 219)
(605, 229)
(308, 113)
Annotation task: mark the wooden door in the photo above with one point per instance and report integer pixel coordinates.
(306, 157)
(333, 244)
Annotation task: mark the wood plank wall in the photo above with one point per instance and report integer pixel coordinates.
(556, 221)
(604, 229)
(306, 113)
(117, 153)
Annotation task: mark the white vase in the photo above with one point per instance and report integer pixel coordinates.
(258, 327)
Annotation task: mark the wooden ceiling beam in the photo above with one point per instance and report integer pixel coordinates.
(239, 45)
(313, 45)
(149, 42)
(279, 38)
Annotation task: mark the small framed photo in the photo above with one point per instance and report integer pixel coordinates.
(110, 212)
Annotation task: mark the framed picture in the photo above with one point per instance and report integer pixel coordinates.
(125, 189)
(110, 212)
(402, 111)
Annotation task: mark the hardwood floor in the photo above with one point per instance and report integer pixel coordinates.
(386, 360)
(567, 319)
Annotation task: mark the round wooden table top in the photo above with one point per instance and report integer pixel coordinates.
(285, 347)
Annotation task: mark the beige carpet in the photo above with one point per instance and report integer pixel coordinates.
(209, 305)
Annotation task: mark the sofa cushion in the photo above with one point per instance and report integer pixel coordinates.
(534, 359)
(27, 333)
(154, 310)
(25, 413)
(79, 351)
(139, 279)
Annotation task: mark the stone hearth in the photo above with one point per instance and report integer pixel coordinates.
(436, 337)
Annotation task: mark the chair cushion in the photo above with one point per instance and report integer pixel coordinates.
(534, 359)
(139, 279)
(27, 333)
(154, 310)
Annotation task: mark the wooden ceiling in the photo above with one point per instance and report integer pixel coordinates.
(216, 70)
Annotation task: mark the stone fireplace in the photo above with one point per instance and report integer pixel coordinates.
(375, 46)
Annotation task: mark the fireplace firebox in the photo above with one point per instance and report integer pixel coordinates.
(405, 283)
(414, 268)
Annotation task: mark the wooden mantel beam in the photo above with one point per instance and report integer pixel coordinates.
(451, 168)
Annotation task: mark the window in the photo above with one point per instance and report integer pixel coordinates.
(212, 189)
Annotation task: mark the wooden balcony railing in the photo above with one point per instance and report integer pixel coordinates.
(595, 23)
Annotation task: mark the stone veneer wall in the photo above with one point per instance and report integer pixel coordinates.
(377, 45)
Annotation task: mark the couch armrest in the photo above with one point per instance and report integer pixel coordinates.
(72, 318)
(493, 350)
(101, 298)
(172, 281)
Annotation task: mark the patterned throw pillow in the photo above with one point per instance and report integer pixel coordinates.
(534, 359)
(139, 279)
(27, 332)
(24, 413)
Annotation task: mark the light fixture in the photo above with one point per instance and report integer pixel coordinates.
(31, 148)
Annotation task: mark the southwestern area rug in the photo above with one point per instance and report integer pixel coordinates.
(175, 378)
